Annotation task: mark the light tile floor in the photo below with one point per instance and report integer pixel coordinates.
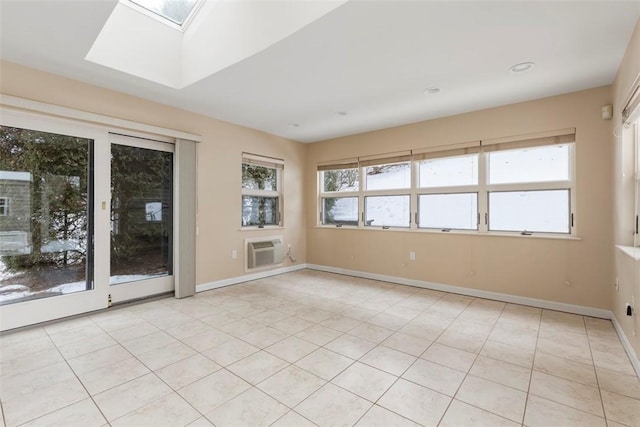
(311, 348)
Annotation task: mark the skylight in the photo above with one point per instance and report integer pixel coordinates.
(175, 11)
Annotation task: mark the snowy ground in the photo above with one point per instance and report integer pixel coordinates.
(12, 292)
(393, 211)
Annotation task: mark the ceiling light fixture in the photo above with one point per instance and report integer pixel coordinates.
(294, 125)
(341, 113)
(431, 90)
(522, 67)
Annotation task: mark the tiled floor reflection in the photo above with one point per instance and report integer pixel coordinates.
(311, 348)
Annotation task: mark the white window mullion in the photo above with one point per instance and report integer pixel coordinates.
(573, 225)
(483, 196)
(530, 186)
(413, 200)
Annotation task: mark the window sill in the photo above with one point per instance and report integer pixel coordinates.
(265, 228)
(630, 251)
(455, 232)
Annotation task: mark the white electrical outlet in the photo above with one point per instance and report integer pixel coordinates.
(412, 256)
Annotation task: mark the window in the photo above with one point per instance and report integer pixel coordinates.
(387, 192)
(448, 211)
(4, 206)
(339, 185)
(518, 185)
(340, 210)
(545, 211)
(261, 191)
(448, 189)
(388, 176)
(530, 189)
(177, 12)
(449, 171)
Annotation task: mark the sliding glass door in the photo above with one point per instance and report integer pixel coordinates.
(141, 223)
(86, 218)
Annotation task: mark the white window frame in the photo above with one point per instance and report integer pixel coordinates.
(487, 188)
(444, 190)
(385, 192)
(635, 128)
(483, 188)
(4, 206)
(322, 194)
(271, 163)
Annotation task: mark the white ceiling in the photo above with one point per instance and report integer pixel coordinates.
(371, 59)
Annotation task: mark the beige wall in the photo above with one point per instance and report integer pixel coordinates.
(219, 160)
(523, 266)
(626, 269)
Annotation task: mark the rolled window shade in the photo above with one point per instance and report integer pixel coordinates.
(631, 110)
(562, 136)
(335, 165)
(450, 150)
(269, 162)
(385, 159)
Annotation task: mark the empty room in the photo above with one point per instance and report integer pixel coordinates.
(240, 213)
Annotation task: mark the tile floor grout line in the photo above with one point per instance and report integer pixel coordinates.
(595, 371)
(533, 364)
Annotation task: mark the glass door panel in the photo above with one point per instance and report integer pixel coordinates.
(141, 218)
(46, 235)
(51, 221)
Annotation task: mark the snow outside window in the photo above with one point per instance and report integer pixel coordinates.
(261, 191)
(448, 192)
(514, 185)
(529, 189)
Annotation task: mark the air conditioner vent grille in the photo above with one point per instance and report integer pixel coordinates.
(264, 253)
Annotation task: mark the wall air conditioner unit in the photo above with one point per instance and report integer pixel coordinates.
(264, 252)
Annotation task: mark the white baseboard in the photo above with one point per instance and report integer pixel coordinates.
(248, 277)
(633, 357)
(550, 305)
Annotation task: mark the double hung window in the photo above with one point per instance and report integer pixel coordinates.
(339, 189)
(448, 188)
(529, 189)
(261, 191)
(522, 186)
(387, 192)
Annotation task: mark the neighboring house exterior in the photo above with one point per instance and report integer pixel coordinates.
(15, 213)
